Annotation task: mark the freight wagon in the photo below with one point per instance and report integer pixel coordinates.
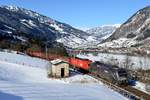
(80, 63)
(43, 55)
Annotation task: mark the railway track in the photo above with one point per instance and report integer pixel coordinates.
(127, 91)
(139, 93)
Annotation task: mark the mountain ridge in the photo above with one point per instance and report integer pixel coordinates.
(135, 32)
(15, 20)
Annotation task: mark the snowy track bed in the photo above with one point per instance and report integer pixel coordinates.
(141, 86)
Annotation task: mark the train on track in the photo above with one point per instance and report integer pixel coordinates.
(108, 72)
(113, 74)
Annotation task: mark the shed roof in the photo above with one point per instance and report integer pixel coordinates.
(57, 61)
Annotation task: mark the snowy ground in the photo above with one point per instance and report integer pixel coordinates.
(22, 60)
(134, 62)
(141, 86)
(24, 78)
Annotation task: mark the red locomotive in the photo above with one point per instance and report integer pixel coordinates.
(80, 63)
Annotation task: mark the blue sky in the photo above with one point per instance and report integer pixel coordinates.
(83, 13)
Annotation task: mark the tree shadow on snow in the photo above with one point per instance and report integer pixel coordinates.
(6, 96)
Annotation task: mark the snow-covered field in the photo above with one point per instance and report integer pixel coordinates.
(22, 59)
(134, 62)
(24, 78)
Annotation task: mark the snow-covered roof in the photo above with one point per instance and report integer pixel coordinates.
(57, 61)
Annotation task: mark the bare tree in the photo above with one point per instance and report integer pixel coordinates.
(127, 62)
(114, 61)
(145, 62)
(140, 62)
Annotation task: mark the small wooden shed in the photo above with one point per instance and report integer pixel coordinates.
(58, 69)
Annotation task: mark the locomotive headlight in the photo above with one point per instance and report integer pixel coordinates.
(106, 71)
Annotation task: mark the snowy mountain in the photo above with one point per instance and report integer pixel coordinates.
(135, 32)
(103, 32)
(22, 25)
(97, 35)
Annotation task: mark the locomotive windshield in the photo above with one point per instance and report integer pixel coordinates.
(122, 73)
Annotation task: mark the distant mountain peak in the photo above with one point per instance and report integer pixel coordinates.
(11, 7)
(102, 32)
(111, 25)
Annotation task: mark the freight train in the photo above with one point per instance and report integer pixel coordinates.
(110, 73)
